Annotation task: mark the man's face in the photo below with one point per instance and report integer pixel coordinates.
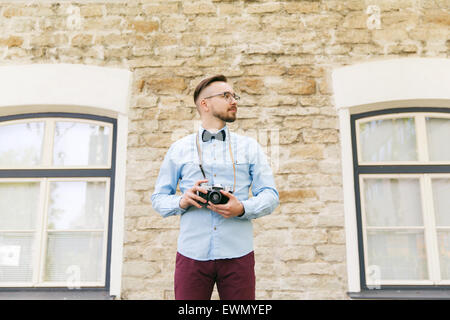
(220, 107)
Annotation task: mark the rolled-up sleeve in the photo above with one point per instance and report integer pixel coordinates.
(265, 195)
(164, 198)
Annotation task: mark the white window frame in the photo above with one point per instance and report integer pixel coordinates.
(49, 141)
(421, 135)
(429, 228)
(82, 89)
(41, 232)
(376, 86)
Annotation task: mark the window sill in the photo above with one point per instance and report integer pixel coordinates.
(407, 294)
(54, 294)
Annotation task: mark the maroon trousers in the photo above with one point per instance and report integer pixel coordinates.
(235, 278)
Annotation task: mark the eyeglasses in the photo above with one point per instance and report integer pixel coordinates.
(227, 95)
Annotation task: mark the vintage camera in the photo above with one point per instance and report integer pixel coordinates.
(214, 195)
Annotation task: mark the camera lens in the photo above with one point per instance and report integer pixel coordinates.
(215, 197)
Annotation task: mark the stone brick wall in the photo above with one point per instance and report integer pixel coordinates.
(279, 56)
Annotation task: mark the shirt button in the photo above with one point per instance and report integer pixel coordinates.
(215, 228)
(214, 175)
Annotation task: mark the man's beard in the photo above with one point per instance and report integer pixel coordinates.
(225, 117)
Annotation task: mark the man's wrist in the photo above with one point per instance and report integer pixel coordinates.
(243, 210)
(180, 205)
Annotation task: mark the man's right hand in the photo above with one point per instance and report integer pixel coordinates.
(190, 197)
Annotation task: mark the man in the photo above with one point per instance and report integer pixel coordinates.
(215, 243)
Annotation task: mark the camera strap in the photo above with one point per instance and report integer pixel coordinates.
(231, 155)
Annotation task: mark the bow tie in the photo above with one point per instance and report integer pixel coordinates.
(206, 135)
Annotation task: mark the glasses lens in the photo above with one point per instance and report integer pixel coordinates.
(229, 96)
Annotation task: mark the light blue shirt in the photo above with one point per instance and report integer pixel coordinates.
(204, 234)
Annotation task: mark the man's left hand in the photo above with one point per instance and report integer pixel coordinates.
(232, 208)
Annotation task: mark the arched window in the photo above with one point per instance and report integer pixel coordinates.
(62, 176)
(395, 128)
(55, 180)
(403, 188)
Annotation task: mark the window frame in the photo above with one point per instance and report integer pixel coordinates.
(67, 174)
(51, 142)
(390, 169)
(421, 135)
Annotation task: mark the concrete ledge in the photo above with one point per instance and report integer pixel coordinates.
(407, 79)
(54, 294)
(403, 294)
(64, 85)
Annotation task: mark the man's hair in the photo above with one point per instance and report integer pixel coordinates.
(206, 82)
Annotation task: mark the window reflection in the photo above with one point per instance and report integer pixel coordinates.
(388, 140)
(441, 201)
(399, 255)
(444, 253)
(74, 253)
(16, 254)
(77, 205)
(80, 144)
(438, 134)
(392, 202)
(19, 202)
(21, 144)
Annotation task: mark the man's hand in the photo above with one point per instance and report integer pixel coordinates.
(190, 197)
(232, 208)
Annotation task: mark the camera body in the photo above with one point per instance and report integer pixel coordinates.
(214, 195)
